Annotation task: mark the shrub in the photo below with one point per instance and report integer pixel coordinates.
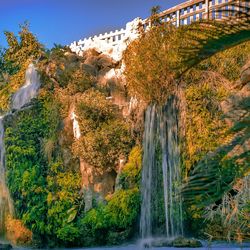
(130, 175)
(113, 223)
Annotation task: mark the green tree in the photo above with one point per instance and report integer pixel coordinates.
(22, 48)
(156, 61)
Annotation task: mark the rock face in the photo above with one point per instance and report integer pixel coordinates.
(245, 74)
(177, 242)
(184, 242)
(96, 183)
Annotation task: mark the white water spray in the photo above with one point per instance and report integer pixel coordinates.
(76, 127)
(29, 90)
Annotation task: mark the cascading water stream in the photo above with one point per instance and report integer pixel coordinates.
(148, 165)
(161, 138)
(22, 97)
(29, 90)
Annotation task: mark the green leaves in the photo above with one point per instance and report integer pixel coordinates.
(113, 223)
(72, 214)
(159, 58)
(28, 47)
(105, 135)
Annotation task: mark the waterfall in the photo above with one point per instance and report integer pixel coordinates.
(148, 167)
(76, 127)
(22, 97)
(161, 157)
(29, 90)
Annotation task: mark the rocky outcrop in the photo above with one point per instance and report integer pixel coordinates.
(185, 242)
(96, 184)
(106, 74)
(177, 242)
(245, 74)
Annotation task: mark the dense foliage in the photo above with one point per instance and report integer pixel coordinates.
(165, 60)
(43, 157)
(113, 223)
(105, 136)
(27, 169)
(43, 171)
(156, 61)
(14, 61)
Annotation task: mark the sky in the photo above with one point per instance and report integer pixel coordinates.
(65, 21)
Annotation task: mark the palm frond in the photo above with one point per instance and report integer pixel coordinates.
(216, 173)
(205, 38)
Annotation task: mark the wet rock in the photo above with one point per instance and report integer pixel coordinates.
(5, 246)
(162, 243)
(177, 242)
(185, 242)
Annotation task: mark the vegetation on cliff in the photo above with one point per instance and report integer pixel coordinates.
(166, 61)
(43, 157)
(43, 171)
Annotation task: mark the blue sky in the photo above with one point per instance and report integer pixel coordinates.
(64, 21)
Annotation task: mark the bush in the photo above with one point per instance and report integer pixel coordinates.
(113, 223)
(105, 135)
(104, 146)
(131, 173)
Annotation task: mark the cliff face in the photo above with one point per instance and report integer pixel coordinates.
(232, 107)
(110, 103)
(73, 155)
(207, 102)
(216, 147)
